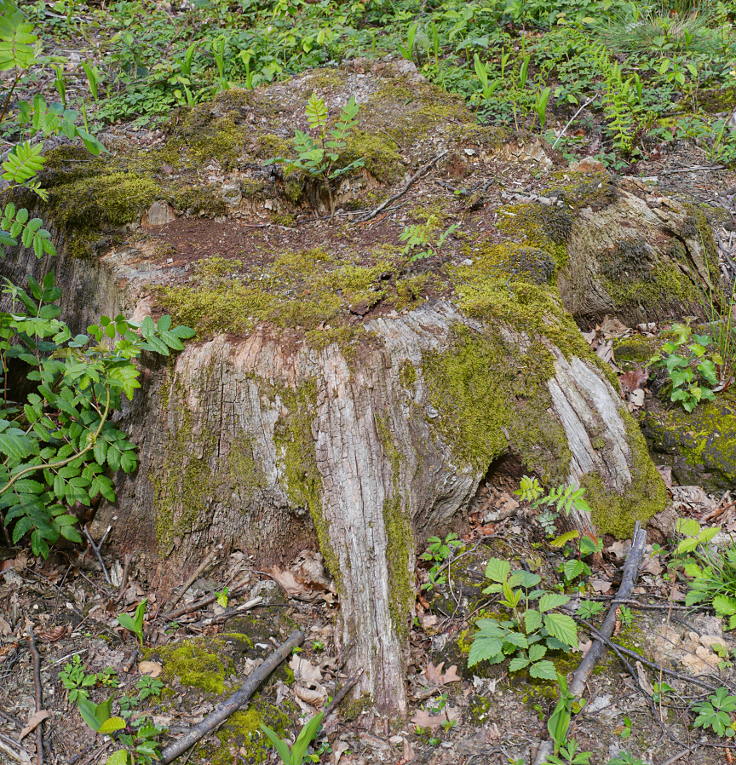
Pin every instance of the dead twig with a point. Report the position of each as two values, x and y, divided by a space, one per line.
677 757
601 638
96 550
342 693
572 119
202 602
203 566
222 711
419 173
124 580
38 692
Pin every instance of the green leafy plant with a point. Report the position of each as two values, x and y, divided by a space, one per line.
222 598
560 499
569 754
438 552
691 365
318 154
139 738
77 680
717 713
534 627
625 758
296 753
423 240
134 623
711 570
588 609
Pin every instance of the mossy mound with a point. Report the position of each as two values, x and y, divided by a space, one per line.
700 446
307 289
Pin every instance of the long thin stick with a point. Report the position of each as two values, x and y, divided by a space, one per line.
234 702
601 637
38 693
419 173
96 550
203 566
187 609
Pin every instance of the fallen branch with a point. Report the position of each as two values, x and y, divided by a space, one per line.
419 173
601 637
342 693
222 711
38 693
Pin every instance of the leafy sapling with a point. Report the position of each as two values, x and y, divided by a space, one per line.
318 153
561 499
439 551
134 623
534 626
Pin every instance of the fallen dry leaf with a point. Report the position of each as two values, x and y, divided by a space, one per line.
316 697
600 585
435 674
150 668
304 670
52 634
633 380
424 719
33 722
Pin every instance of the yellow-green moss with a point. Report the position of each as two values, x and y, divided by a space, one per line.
296 450
241 736
186 483
484 390
114 199
379 152
194 664
578 190
647 495
306 288
539 226
399 537
407 375
701 445
198 200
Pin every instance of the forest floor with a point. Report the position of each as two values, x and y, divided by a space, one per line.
457 715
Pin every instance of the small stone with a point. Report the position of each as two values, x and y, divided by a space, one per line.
159 214
710 640
231 194
396 740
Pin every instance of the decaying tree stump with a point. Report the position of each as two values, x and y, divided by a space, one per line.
340 394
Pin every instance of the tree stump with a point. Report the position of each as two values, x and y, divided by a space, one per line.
339 393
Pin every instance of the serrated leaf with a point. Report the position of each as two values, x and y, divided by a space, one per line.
543 670
562 627
551 600
497 570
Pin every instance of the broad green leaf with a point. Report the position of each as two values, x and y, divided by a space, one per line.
551 600
517 663
111 725
497 570
484 648
562 627
543 670
281 747
121 757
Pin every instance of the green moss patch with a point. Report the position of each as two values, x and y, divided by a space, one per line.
700 446
197 663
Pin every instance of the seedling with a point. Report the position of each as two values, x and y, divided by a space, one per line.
297 753
134 623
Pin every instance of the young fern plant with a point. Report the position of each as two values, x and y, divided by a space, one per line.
318 153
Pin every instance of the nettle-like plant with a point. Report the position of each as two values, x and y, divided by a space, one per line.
692 365
535 625
58 444
318 153
711 570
